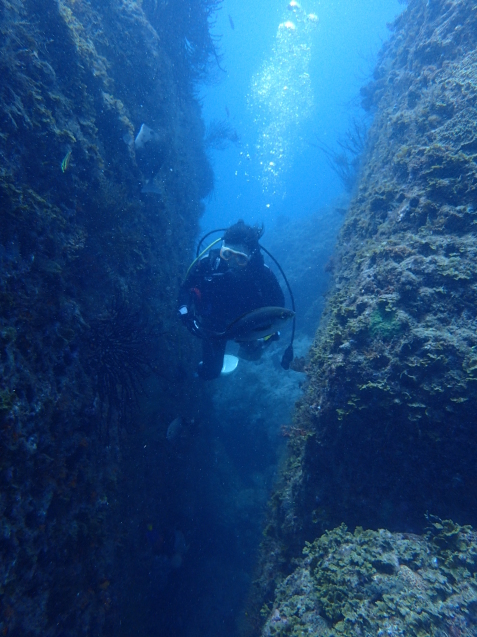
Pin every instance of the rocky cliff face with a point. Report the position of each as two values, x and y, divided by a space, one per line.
91 264
387 428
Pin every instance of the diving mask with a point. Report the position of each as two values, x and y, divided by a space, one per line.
235 256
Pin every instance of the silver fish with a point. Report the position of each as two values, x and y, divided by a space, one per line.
257 324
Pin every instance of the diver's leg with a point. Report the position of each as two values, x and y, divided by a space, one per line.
213 351
250 351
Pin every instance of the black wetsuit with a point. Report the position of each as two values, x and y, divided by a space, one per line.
216 295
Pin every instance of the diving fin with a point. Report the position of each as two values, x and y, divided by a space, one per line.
230 364
287 357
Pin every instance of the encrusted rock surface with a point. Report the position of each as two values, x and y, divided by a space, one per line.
380 583
90 271
387 427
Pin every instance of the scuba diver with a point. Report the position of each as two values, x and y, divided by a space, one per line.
230 294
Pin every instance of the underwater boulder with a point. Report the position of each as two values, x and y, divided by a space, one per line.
380 583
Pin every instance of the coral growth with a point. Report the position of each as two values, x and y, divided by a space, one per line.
345 161
220 134
118 350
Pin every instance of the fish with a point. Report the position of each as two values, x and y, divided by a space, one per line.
175 430
232 25
144 136
180 549
150 186
257 324
66 161
128 139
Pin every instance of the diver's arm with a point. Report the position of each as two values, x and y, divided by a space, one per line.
190 295
193 281
186 307
183 299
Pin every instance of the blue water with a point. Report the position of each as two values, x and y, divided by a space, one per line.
343 49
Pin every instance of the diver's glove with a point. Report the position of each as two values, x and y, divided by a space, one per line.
183 313
185 316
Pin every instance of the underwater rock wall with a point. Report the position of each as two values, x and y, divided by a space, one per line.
387 427
90 271
381 583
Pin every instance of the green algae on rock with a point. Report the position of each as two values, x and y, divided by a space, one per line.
381 583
